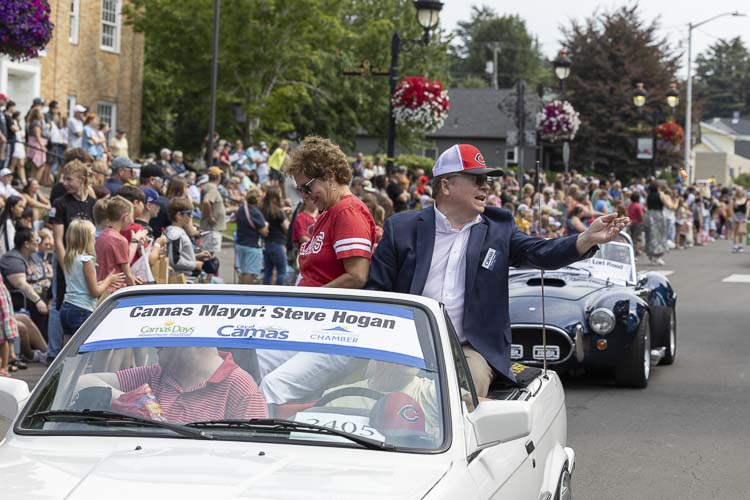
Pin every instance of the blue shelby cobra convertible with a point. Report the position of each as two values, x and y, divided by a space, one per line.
599 314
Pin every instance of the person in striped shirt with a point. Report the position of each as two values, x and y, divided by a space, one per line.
191 384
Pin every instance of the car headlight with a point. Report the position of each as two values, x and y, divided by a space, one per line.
602 321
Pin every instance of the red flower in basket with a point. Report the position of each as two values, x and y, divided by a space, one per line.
670 132
420 103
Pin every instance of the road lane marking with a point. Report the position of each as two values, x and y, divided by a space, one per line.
737 278
665 272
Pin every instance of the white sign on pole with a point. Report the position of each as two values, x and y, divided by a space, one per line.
645 148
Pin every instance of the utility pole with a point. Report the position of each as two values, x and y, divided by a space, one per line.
212 112
495 47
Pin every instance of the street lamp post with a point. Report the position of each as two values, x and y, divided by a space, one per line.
428 16
689 102
562 68
640 96
562 65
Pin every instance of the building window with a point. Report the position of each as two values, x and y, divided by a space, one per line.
110 25
511 156
107 112
75 12
430 153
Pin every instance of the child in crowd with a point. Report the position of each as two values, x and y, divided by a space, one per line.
180 250
81 286
100 215
150 210
112 252
8 330
136 233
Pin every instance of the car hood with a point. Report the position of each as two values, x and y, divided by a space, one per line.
558 285
79 468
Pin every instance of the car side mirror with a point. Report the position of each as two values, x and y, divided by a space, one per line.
495 422
13 395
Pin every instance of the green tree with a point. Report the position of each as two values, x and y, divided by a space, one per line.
280 64
354 103
611 52
518 58
723 78
268 49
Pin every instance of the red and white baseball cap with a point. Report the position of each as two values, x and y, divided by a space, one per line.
463 158
397 412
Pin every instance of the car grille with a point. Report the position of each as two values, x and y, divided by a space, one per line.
527 341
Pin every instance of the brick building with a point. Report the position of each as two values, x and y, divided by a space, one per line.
93 59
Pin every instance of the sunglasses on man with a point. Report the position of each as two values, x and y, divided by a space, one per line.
480 180
305 188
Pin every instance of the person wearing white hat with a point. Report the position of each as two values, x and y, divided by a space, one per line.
6 190
459 251
75 127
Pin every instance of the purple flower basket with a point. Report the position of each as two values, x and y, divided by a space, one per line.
25 28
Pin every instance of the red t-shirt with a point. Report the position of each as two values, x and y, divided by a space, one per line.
346 230
111 252
301 227
635 212
230 393
128 235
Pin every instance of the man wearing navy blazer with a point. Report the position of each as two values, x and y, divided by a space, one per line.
459 251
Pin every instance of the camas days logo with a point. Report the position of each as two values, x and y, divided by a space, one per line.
168 328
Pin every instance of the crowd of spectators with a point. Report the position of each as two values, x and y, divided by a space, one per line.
79 219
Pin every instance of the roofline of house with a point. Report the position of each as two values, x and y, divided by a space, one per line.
724 132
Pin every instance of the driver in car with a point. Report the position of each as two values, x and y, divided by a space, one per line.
387 379
191 384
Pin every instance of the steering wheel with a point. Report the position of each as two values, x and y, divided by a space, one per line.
92 398
349 391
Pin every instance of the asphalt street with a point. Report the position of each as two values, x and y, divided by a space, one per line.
687 435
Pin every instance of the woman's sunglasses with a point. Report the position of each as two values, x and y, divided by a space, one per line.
305 188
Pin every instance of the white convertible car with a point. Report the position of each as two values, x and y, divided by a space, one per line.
276 393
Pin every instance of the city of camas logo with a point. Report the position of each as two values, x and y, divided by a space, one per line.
251 331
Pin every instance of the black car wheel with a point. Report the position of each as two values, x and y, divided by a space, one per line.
670 341
563 487
634 369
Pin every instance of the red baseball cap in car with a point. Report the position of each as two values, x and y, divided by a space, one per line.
397 412
465 159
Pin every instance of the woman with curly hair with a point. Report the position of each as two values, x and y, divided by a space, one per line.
341 241
337 254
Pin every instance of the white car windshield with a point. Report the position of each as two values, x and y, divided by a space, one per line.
242 366
613 261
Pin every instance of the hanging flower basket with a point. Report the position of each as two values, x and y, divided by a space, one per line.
670 132
25 28
419 103
557 121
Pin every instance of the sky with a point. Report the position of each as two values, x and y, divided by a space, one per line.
544 17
